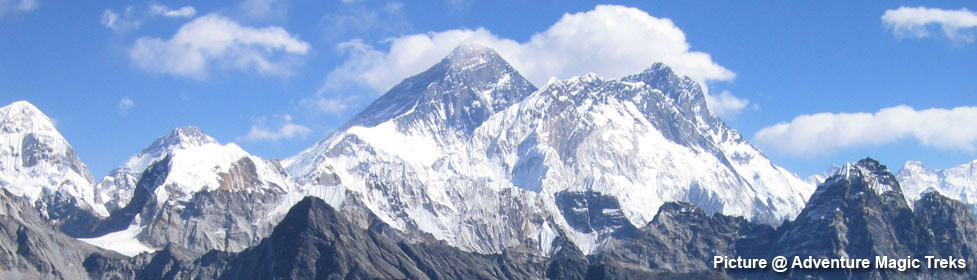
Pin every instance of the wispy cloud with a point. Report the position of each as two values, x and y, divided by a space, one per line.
161 10
611 41
125 104
126 21
328 104
261 131
132 17
805 135
956 25
365 21
17 6
214 40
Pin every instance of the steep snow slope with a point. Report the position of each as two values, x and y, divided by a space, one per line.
957 183
197 193
645 140
470 142
408 156
115 189
37 163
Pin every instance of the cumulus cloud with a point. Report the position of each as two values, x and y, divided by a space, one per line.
957 25
611 41
213 40
726 104
161 10
14 6
805 135
126 21
125 104
286 130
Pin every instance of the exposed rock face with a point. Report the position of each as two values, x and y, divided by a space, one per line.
30 248
592 212
200 195
860 212
317 242
116 189
682 238
399 155
314 241
470 142
857 213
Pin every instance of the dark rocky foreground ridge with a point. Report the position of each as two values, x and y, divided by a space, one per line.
314 241
858 213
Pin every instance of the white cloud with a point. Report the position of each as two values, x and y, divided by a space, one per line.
611 41
125 104
126 21
321 103
132 18
953 129
213 40
726 105
161 10
14 6
287 130
956 25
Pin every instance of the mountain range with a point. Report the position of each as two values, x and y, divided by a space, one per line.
467 170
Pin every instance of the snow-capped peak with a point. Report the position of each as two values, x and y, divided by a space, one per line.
36 162
458 93
914 166
875 175
22 116
232 194
958 182
190 147
469 141
184 136
659 69
468 54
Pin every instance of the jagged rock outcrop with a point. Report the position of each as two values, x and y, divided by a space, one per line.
197 194
30 248
860 212
314 241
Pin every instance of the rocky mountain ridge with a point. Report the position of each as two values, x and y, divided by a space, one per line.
444 147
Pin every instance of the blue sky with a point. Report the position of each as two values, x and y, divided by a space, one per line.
804 81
